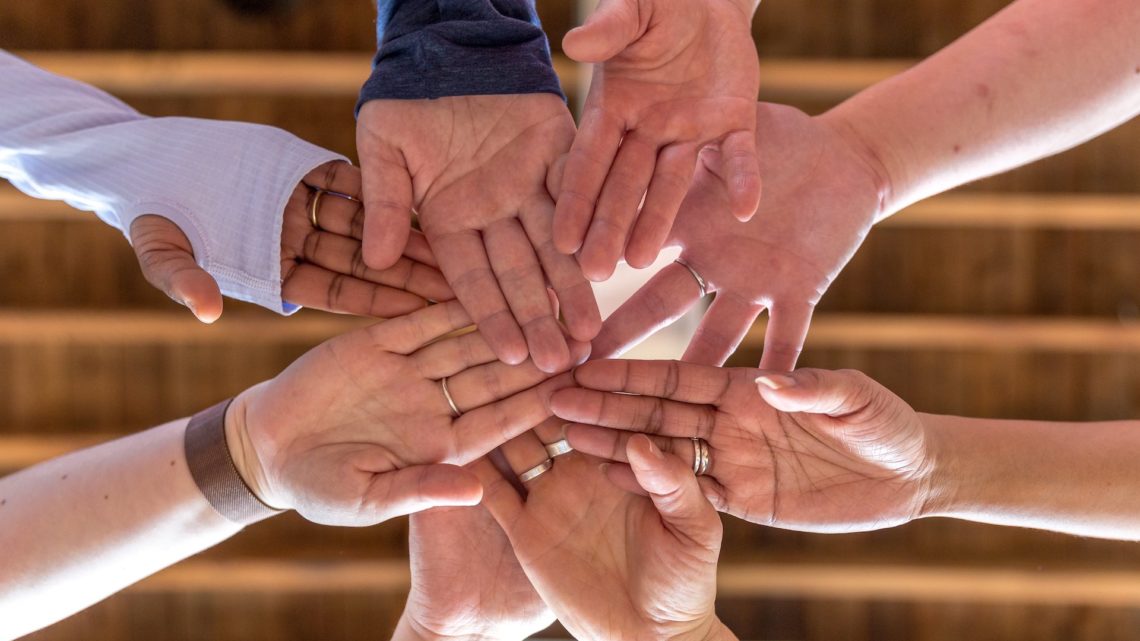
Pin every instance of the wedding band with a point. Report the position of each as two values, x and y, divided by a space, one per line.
313 208
536 471
450 401
702 283
700 456
558 448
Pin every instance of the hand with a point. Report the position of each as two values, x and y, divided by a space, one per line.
475 168
675 77
822 451
358 430
611 564
466 582
821 197
320 268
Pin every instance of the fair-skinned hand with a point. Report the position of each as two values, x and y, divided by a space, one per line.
671 79
466 581
826 452
474 168
609 563
320 268
821 198
358 430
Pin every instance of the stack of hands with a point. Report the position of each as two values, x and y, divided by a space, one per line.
542 487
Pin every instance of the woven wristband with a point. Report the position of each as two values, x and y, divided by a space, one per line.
210 463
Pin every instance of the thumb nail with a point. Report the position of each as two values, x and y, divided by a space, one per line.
776 381
656 451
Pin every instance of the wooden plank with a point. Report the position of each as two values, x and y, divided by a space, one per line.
906 332
955 211
18 451
336 74
906 583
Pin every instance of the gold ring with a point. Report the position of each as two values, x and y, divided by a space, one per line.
450 401
702 283
313 208
536 471
700 456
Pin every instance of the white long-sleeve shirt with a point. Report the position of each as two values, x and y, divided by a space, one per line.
225 184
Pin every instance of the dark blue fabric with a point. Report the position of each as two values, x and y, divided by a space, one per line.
436 48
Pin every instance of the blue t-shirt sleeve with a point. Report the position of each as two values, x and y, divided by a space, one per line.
437 48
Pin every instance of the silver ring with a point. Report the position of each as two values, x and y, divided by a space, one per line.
702 283
450 401
700 456
536 471
558 448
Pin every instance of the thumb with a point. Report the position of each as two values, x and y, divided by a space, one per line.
419 488
741 173
612 27
674 491
818 391
167 262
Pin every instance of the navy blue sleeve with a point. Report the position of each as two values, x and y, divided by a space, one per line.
436 48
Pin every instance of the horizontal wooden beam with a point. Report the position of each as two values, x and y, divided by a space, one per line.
996 333
139 73
902 583
952 211
20 450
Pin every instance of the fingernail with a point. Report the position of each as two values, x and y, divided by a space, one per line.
656 451
776 381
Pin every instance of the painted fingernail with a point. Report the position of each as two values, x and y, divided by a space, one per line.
776 381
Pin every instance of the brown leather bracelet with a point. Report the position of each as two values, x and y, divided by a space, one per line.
210 463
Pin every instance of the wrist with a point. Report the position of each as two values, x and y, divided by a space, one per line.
875 159
944 489
409 629
243 452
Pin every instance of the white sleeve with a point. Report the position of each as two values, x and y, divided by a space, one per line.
225 184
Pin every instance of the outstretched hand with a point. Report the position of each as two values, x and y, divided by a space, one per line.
672 79
814 450
821 197
474 168
321 268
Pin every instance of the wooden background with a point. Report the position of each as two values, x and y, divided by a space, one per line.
1014 297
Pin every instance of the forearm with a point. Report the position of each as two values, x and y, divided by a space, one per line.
1038 78
81 527
1078 478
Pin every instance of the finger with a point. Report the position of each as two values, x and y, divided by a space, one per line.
318 288
819 391
607 32
587 165
452 355
674 380
499 495
495 381
520 277
482 430
671 180
574 292
387 191
741 171
338 177
408 333
634 413
674 490
721 330
523 453
611 444
660 302
622 476
343 255
785 335
419 250
464 263
419 488
167 262
617 207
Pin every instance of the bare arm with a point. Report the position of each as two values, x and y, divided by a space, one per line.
81 527
1038 78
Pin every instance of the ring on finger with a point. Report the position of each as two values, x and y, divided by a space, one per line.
450 401
314 205
701 282
701 459
536 471
558 448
